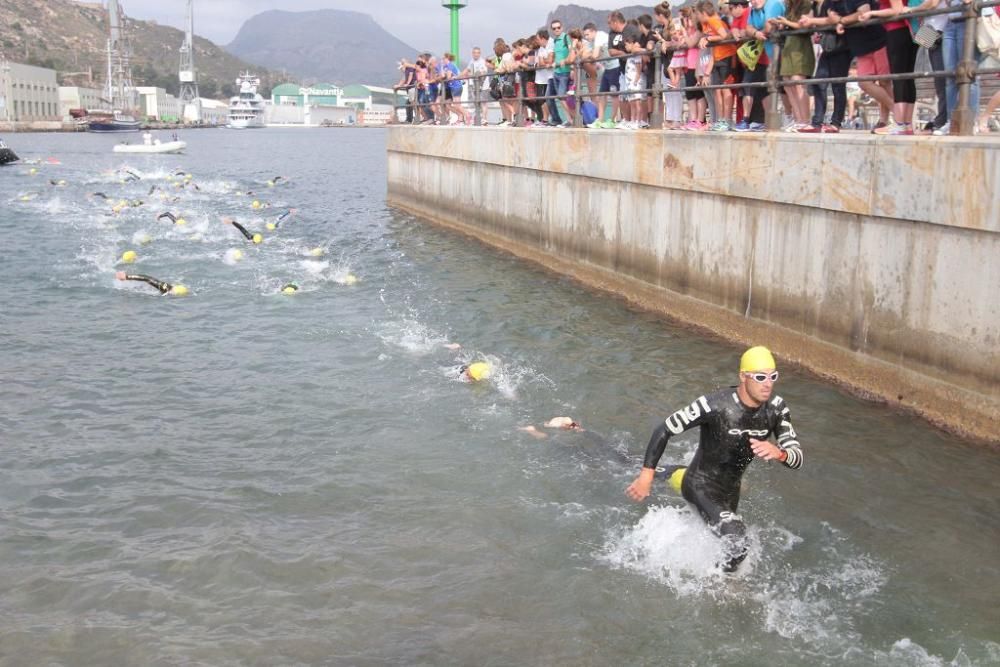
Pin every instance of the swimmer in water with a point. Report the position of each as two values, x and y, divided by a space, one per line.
735 425
474 372
164 288
169 216
274 181
289 288
255 238
274 225
131 176
561 423
99 194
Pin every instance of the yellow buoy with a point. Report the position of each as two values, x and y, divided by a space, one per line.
676 478
129 256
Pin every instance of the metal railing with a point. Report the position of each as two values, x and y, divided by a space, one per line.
962 118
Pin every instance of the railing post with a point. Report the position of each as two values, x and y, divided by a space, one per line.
772 114
519 116
657 85
963 120
578 88
477 92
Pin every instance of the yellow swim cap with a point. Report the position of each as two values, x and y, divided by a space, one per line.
123 203
145 239
317 252
181 221
237 254
676 478
32 171
179 290
255 204
289 289
128 256
350 279
257 238
478 370
757 359
270 184
271 226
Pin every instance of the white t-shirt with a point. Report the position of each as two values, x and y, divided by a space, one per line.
542 76
601 44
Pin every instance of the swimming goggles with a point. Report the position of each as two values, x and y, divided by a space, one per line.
762 377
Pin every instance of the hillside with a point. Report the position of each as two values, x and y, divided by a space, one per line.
71 37
327 45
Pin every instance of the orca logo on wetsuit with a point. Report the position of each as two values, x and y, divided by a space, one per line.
680 420
750 432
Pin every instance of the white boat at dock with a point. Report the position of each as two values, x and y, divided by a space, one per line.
246 110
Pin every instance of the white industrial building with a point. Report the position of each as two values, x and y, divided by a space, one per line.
78 97
158 104
214 112
28 93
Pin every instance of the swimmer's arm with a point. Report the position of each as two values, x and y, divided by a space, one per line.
788 441
243 230
149 280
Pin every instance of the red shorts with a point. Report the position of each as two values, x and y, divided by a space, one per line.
874 63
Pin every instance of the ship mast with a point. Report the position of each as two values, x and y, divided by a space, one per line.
120 91
188 75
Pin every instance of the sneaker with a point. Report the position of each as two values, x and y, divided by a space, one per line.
566 125
720 126
757 127
643 125
944 130
693 126
794 127
805 128
596 125
742 126
878 126
830 129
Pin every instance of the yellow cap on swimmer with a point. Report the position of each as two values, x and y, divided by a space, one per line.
676 478
271 226
128 256
270 184
32 171
257 238
179 290
181 221
317 252
290 288
236 254
255 204
145 239
479 370
350 279
757 358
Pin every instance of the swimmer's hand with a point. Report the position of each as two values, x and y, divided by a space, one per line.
766 450
227 221
119 275
643 484
452 346
533 432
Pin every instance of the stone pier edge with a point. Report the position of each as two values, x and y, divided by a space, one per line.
946 406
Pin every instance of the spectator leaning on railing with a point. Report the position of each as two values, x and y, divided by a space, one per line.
713 29
543 60
479 89
902 54
834 61
797 62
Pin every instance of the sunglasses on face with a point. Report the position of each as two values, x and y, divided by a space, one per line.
764 377
557 27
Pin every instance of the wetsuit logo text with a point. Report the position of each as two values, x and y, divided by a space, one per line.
752 433
681 419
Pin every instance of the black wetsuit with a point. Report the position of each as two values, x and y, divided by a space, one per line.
158 284
168 215
712 480
243 230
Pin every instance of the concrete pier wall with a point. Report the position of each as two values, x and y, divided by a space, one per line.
874 261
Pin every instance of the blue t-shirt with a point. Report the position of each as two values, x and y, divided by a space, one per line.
758 19
453 85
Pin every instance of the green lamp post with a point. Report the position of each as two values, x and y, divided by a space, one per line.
453 6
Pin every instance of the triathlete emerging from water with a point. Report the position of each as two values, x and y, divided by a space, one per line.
164 288
734 427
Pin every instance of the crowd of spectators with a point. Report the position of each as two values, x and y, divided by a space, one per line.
701 49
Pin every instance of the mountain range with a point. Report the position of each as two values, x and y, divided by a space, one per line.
577 16
70 37
326 45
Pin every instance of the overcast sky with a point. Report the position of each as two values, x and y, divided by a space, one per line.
423 24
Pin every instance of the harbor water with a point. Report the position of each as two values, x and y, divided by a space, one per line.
246 477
